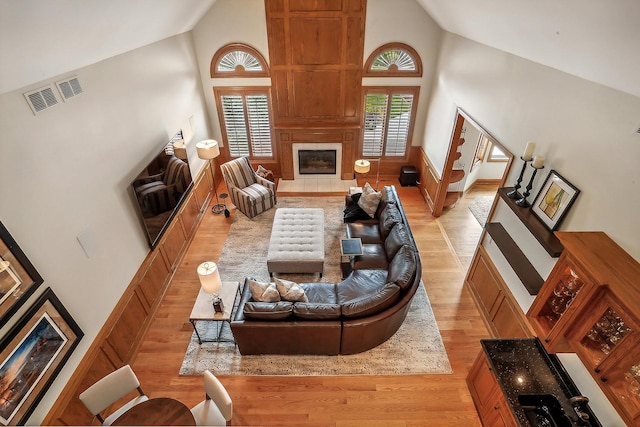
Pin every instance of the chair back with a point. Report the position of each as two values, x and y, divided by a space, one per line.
109 389
216 392
177 174
238 172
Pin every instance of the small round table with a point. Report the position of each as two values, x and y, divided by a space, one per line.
161 411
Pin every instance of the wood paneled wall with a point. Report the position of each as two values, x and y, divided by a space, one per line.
316 55
117 342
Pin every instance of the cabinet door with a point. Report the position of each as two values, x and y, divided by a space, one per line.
482 279
482 384
563 293
607 338
499 413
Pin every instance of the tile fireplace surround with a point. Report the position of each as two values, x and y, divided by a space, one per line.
316 183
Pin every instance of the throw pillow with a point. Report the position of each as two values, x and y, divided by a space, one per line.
353 213
290 291
263 291
369 200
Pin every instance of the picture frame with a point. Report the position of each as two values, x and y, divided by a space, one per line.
18 277
554 200
32 354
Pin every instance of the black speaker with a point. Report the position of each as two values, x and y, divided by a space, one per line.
408 176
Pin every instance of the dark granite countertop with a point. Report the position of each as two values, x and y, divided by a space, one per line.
523 367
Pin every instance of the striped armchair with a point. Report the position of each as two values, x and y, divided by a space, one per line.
251 194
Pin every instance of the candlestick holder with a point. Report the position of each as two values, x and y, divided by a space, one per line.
514 194
522 202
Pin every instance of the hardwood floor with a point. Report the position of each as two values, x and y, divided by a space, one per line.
446 246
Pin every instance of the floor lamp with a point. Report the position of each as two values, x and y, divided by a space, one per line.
207 150
363 166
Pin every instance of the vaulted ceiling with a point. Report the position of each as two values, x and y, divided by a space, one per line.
593 39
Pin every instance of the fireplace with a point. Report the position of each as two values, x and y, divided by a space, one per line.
317 162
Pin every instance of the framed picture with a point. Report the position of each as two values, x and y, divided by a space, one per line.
554 200
18 278
32 354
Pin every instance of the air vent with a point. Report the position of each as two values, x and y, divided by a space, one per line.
41 99
69 88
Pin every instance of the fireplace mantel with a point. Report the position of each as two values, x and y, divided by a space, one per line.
320 137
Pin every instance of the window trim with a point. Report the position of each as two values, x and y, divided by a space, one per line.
238 72
219 92
390 90
368 72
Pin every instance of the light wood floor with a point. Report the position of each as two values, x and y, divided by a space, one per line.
446 247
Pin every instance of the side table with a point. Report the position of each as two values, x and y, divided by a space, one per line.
203 310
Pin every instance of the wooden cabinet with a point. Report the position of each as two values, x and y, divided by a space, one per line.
490 402
606 337
500 311
589 305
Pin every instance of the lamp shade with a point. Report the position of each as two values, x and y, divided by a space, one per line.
209 276
362 166
180 149
208 149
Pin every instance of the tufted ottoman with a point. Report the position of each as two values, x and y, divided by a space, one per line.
297 241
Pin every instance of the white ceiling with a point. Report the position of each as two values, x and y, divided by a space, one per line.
594 39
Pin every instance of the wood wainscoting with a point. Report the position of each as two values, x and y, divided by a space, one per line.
118 341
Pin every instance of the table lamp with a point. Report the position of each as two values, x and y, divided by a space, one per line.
211 283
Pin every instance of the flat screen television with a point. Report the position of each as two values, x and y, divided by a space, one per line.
161 187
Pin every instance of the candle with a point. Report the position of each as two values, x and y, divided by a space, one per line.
538 162
528 151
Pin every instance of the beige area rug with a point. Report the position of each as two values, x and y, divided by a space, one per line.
480 207
416 348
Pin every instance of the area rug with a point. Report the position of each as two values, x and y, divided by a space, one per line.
480 207
416 348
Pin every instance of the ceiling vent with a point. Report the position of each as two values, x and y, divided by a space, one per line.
69 88
41 99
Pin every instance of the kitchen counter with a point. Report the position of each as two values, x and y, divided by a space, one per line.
527 373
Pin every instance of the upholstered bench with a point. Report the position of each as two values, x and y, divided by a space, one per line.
297 241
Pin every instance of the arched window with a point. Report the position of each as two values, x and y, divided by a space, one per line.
393 60
244 111
238 60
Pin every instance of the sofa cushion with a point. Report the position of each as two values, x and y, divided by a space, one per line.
368 232
360 282
267 310
290 291
374 256
371 302
316 311
398 237
263 291
387 197
320 292
369 200
402 267
389 217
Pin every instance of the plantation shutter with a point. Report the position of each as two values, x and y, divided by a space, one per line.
235 125
398 124
247 124
375 122
259 125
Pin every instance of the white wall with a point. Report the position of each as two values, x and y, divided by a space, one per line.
585 130
404 21
69 168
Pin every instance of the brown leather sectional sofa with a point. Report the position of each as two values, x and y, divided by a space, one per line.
358 313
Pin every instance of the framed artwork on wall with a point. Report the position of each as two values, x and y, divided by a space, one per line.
554 200
32 354
18 277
